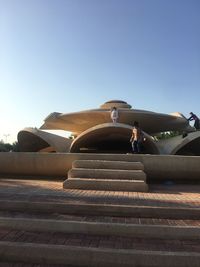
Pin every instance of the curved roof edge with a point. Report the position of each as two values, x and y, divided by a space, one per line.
29 137
119 130
115 103
174 144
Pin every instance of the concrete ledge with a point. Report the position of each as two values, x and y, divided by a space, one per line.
92 257
106 184
105 164
102 209
107 174
58 164
98 228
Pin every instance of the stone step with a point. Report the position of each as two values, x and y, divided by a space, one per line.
107 174
105 184
101 229
105 164
95 256
64 207
100 219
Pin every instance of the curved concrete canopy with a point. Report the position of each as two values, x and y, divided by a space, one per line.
115 103
96 132
34 140
150 122
189 145
109 138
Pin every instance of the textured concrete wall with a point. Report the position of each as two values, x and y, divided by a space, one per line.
58 164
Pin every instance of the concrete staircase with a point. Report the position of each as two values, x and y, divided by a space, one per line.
106 175
59 233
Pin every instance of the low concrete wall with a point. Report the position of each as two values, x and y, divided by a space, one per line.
58 164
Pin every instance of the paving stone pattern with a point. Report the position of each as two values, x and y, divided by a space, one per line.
175 195
100 241
162 195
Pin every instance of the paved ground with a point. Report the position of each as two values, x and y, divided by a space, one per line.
21 264
174 195
96 241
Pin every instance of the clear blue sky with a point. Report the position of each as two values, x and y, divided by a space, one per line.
72 55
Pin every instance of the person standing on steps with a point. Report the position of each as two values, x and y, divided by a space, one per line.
136 138
193 117
114 114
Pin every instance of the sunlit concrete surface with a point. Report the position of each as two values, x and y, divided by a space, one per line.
160 167
110 137
150 122
33 140
94 132
189 145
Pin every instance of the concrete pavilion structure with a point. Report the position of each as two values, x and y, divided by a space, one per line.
94 132
106 207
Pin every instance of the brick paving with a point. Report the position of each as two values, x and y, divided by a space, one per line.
102 219
175 195
96 241
21 264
